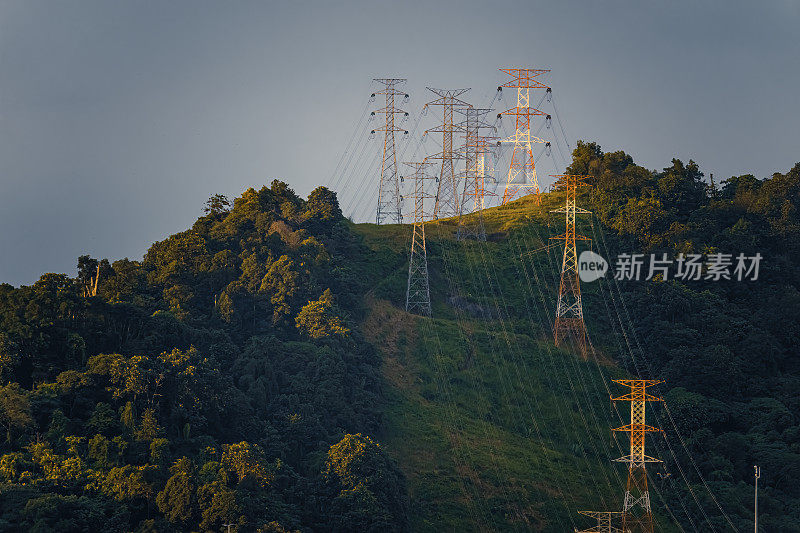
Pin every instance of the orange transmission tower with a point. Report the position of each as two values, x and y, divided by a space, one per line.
606 522
636 513
389 203
569 309
418 295
475 149
447 198
522 170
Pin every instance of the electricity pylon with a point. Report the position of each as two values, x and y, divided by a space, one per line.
487 146
605 522
569 309
418 295
475 148
475 191
636 513
389 204
522 163
447 198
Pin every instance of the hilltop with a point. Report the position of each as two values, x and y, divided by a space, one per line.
259 369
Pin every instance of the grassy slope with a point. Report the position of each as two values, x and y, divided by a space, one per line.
495 428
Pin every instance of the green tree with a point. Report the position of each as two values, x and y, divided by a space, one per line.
217 205
318 319
12 465
322 210
245 460
128 482
681 188
149 428
99 451
178 500
370 492
281 283
15 409
159 451
103 419
218 505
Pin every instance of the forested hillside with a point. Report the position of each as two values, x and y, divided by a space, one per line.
258 370
727 348
517 433
217 381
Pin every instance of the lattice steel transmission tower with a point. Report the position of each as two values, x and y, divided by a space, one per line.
637 515
389 203
472 198
522 165
569 309
418 295
606 522
447 202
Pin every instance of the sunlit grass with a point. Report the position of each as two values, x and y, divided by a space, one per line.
494 427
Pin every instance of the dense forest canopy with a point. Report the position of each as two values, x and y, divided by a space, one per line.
217 381
224 378
727 349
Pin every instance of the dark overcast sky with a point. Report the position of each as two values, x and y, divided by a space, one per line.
119 118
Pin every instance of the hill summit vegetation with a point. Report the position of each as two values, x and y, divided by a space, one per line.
217 381
258 371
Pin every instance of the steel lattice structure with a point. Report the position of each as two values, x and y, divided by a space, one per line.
522 165
637 515
475 149
569 309
418 295
389 203
447 202
606 522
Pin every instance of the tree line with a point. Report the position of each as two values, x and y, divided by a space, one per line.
217 381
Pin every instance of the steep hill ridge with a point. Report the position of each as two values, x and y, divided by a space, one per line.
258 369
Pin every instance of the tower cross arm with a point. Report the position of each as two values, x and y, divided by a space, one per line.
444 128
525 111
455 154
567 181
473 125
388 110
600 514
448 97
605 521
577 210
637 427
638 382
523 77
386 128
390 85
636 397
518 138
641 459
563 237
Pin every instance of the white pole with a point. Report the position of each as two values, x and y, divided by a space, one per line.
758 475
